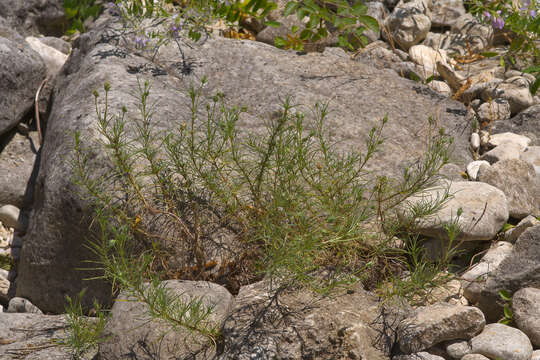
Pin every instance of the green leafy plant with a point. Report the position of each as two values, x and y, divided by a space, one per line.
508 317
84 333
5 262
77 11
522 21
350 21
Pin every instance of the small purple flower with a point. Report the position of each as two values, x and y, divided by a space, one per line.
140 42
497 23
532 13
487 14
175 28
113 8
525 5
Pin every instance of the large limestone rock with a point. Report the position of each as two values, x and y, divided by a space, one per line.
484 210
21 72
248 73
431 325
521 268
499 341
519 182
131 331
31 337
275 323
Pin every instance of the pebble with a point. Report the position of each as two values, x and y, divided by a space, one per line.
473 167
475 141
22 305
9 216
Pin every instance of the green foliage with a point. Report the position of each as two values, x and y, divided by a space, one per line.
5 262
350 21
508 317
84 333
521 20
77 11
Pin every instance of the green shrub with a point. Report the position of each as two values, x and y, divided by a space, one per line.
77 11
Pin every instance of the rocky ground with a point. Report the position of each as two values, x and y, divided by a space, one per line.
494 176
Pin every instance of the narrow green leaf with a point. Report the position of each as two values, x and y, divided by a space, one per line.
535 86
505 295
290 8
274 24
489 54
305 34
280 42
508 312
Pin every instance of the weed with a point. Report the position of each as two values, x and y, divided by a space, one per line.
77 11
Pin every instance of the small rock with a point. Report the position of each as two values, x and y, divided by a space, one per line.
440 87
9 216
526 308
408 24
21 305
532 156
475 141
458 348
505 151
498 109
434 324
519 182
484 138
515 91
474 279
474 166
513 234
498 139
4 290
54 59
502 341
427 58
536 355
477 91
484 210
446 12
63 46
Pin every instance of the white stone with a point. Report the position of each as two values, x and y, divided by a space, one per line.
484 210
53 58
418 356
484 137
474 166
22 305
502 341
408 24
440 87
427 58
536 355
474 357
498 139
9 216
505 151
475 141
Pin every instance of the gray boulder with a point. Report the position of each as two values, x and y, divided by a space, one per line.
132 333
484 210
526 309
21 72
423 355
503 342
409 23
498 109
513 234
36 341
247 73
519 182
431 325
505 151
521 268
279 323
457 349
